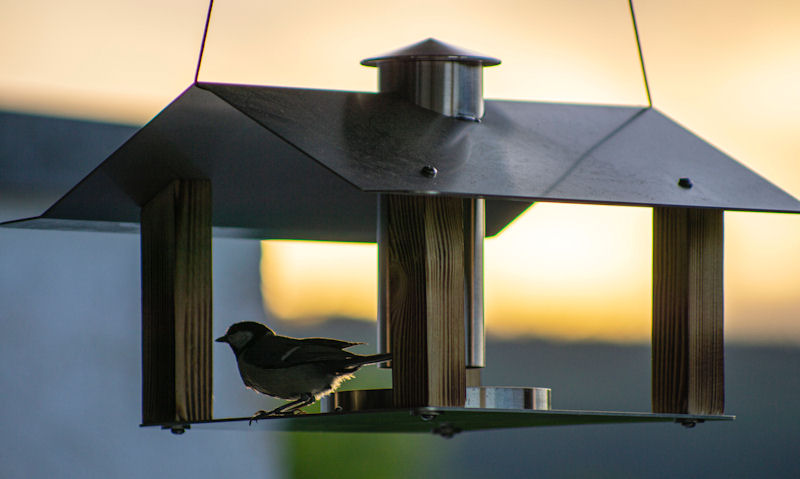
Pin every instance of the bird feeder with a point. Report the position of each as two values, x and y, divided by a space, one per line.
426 168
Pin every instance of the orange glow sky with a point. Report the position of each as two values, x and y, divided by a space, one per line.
728 70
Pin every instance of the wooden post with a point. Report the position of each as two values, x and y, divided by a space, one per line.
474 377
176 304
687 349
424 249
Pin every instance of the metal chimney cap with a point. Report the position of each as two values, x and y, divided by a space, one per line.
432 50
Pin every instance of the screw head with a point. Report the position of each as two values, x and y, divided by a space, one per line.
429 171
685 183
426 415
467 117
447 430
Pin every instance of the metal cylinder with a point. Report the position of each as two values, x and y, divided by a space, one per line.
475 339
450 88
383 283
448 80
435 75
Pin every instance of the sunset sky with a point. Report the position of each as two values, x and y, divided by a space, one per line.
727 70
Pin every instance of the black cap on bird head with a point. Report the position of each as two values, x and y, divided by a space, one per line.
239 334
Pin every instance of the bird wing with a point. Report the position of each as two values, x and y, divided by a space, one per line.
273 352
331 343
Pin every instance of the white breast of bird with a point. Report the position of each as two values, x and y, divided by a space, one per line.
291 383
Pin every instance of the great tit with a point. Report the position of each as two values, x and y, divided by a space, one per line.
300 370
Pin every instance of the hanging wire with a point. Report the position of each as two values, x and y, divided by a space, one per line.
203 44
641 57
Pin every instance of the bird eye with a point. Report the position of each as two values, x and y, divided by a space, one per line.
240 338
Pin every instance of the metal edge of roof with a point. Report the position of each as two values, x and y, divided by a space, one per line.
44 221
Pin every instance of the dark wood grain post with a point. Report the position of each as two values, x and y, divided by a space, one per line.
687 349
424 249
176 304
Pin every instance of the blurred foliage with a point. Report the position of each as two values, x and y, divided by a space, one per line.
363 455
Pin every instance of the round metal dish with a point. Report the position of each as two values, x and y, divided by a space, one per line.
358 400
491 397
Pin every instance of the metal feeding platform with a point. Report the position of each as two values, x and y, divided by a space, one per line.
487 408
427 169
443 421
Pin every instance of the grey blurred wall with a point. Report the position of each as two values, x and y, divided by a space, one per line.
70 341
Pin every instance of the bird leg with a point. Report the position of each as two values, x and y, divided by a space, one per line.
287 409
294 407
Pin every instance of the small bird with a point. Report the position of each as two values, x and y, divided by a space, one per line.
301 370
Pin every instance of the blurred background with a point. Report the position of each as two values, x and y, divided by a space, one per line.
567 286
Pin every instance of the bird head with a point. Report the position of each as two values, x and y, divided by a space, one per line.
239 335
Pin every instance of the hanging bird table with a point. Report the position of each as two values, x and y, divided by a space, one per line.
426 168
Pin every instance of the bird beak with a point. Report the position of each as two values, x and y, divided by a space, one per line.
223 339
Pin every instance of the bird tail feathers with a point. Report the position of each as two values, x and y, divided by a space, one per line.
375 358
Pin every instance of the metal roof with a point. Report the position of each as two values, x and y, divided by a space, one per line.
306 164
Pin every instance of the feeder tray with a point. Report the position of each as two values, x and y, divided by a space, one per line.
444 421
